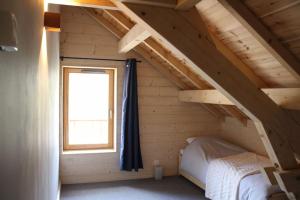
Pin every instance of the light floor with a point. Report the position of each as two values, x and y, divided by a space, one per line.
170 188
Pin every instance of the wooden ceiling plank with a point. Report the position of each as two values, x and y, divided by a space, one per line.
218 71
288 98
100 4
134 37
266 38
186 4
192 16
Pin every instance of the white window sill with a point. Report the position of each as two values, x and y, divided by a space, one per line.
98 151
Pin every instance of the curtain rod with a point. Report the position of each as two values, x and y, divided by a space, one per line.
105 59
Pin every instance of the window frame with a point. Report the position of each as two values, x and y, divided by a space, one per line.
110 144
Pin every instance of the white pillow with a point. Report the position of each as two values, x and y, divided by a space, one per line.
190 140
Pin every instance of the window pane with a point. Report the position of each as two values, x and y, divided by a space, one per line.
88 108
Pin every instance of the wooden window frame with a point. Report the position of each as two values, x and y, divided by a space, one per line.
66 145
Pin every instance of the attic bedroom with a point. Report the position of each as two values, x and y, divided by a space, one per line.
150 100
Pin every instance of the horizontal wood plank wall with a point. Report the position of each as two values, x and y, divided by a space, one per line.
245 136
165 122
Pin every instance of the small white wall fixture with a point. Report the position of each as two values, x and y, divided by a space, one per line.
8 33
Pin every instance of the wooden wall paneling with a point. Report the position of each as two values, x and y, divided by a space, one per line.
176 32
165 121
263 35
236 113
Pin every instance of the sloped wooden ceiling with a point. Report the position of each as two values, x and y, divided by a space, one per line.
281 17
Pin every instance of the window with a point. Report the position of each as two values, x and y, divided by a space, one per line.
88 108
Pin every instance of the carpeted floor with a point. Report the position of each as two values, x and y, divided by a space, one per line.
170 188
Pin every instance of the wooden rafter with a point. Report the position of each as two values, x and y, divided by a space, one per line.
278 129
161 52
102 4
134 37
262 34
98 16
143 50
162 3
192 16
288 98
186 4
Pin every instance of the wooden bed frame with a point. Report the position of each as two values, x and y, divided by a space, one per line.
185 174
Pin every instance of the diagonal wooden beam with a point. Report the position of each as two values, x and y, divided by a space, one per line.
269 40
180 67
134 37
279 130
97 16
162 52
101 4
186 4
161 3
288 98
143 50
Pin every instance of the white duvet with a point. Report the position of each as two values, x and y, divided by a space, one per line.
225 174
201 152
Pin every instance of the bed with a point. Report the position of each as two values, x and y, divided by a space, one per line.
201 152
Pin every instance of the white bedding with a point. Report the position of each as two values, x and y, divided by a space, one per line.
197 156
225 174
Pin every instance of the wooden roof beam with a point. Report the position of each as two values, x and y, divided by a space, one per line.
144 51
263 35
186 4
101 4
288 98
133 38
219 72
161 52
161 3
98 17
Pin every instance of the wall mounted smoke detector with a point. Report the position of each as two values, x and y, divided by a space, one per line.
8 33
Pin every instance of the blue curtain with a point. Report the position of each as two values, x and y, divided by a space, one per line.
130 157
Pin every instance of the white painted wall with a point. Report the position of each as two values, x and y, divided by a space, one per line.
29 85
165 122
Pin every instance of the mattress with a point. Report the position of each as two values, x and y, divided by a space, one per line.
198 154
